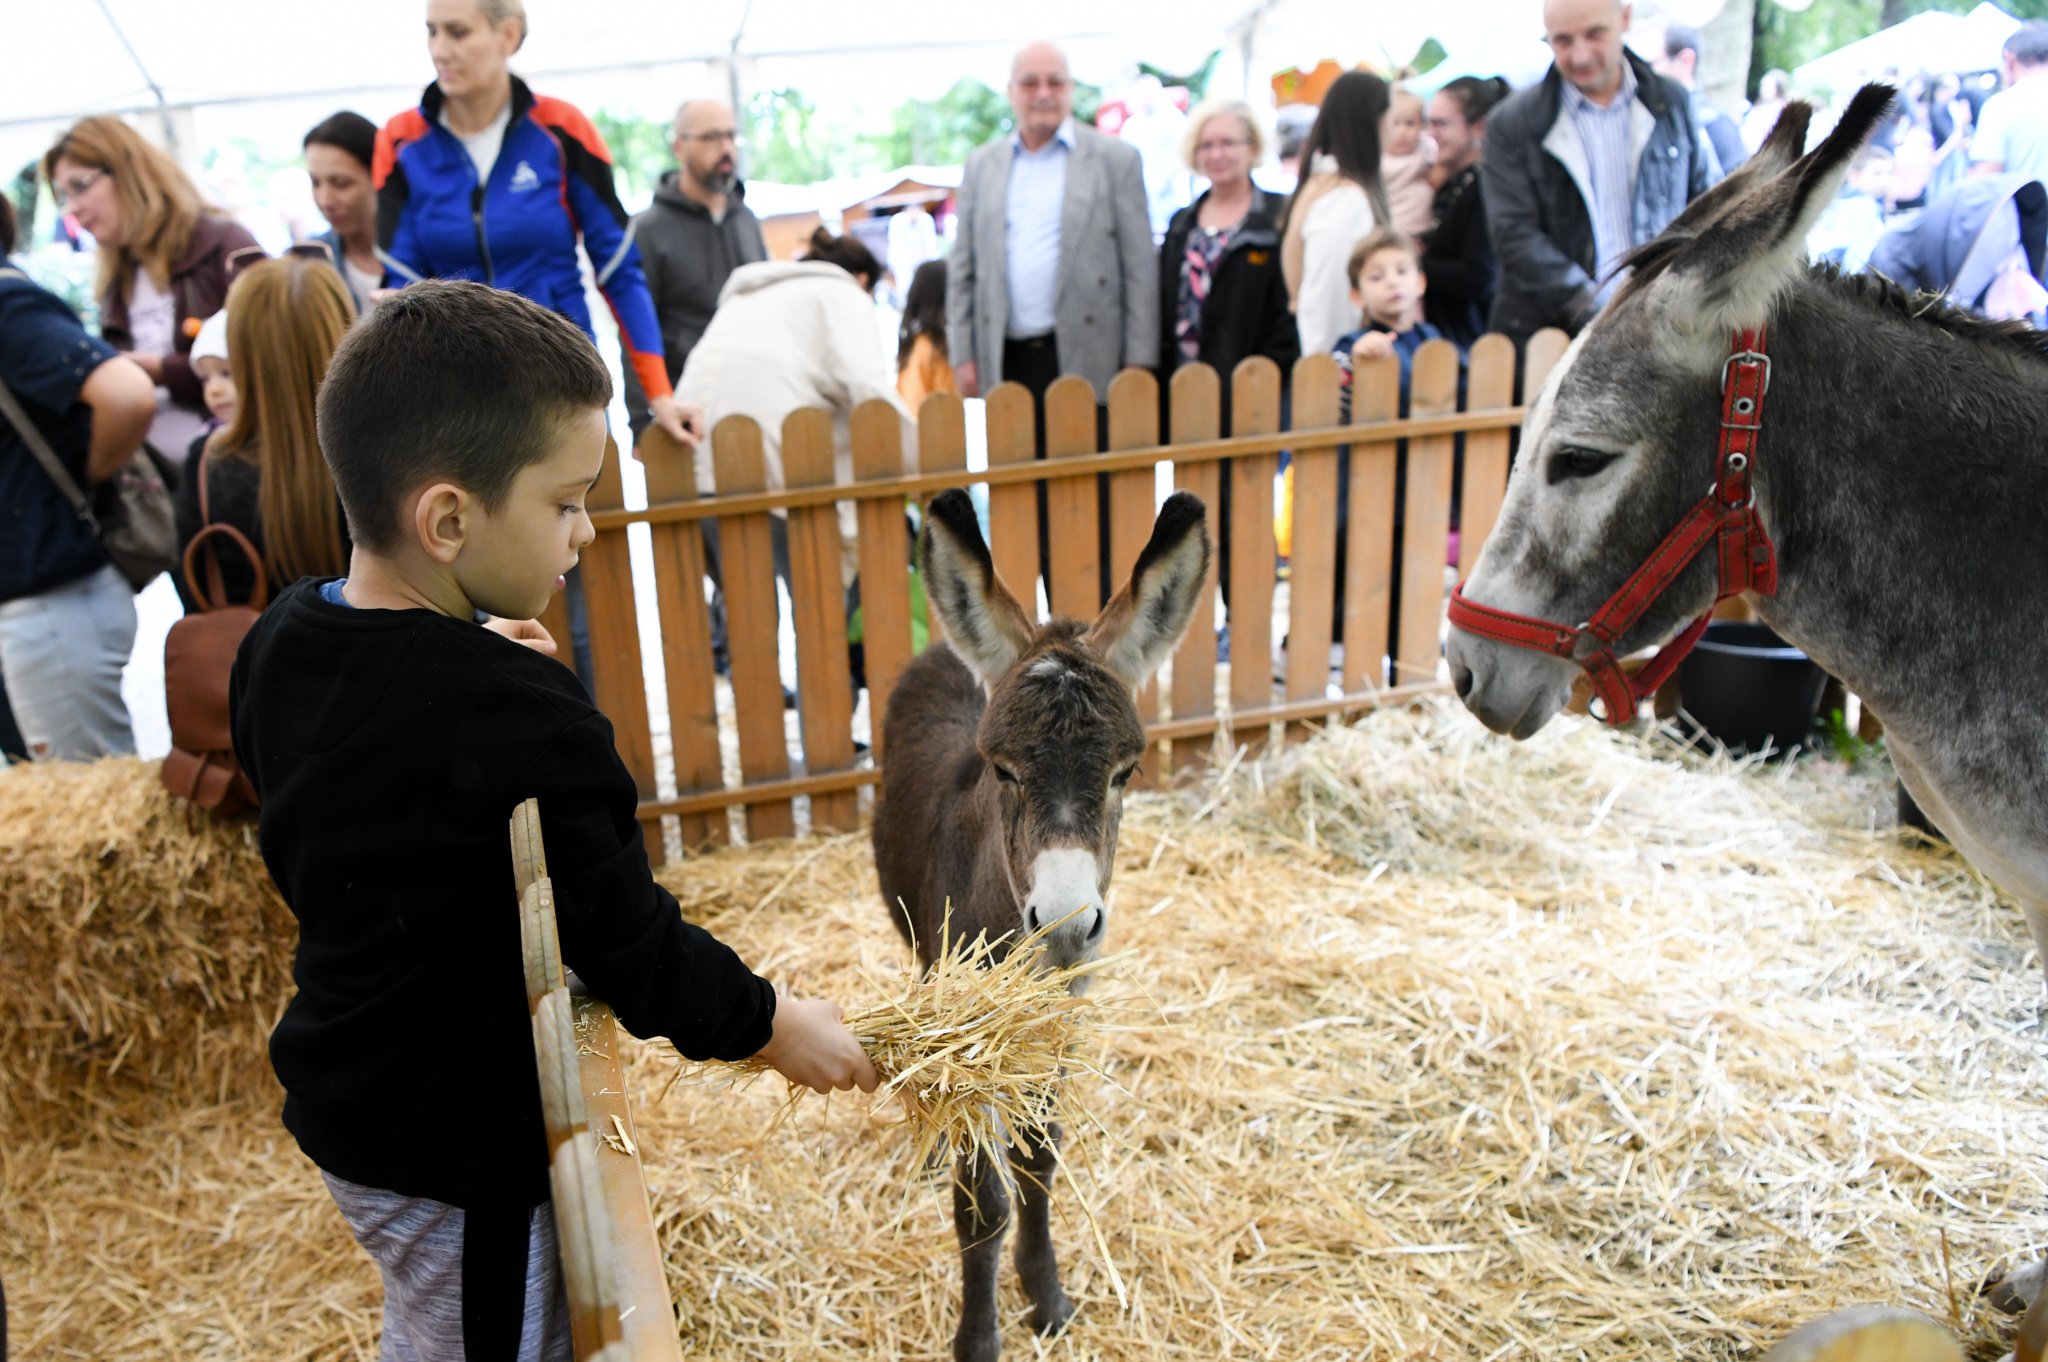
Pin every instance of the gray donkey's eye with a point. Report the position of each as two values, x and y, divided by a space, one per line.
1574 462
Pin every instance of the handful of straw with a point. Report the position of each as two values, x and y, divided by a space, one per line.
983 1048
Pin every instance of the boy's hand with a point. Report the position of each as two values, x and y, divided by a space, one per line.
684 421
812 1047
1372 345
531 633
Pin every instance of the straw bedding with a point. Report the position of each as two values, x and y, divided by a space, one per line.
1440 1048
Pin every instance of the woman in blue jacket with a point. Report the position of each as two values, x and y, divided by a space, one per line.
487 181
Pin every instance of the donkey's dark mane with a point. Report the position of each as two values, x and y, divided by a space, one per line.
1878 291
1874 290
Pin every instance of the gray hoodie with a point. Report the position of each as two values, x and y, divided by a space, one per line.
688 257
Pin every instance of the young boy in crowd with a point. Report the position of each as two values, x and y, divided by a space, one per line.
1387 285
391 722
1850 227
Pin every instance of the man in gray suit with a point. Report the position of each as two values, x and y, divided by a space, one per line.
1053 268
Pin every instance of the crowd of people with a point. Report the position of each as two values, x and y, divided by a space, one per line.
310 402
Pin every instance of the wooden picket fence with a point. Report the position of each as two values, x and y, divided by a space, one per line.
1183 714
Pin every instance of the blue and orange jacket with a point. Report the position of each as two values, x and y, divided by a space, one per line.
552 181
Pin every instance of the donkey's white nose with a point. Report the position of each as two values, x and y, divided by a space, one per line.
1066 896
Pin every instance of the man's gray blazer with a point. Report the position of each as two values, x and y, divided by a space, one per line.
1107 316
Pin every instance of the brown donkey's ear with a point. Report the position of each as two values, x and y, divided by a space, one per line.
1721 265
983 621
1144 622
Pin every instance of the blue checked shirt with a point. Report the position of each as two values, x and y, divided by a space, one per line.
1605 135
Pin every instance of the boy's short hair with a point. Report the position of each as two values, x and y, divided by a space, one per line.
1377 240
1870 157
449 380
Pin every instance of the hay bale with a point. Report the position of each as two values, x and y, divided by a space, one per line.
146 949
1708 1053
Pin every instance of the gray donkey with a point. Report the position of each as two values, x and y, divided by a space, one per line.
1901 469
1002 791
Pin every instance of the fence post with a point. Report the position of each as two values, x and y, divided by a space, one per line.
884 559
1312 559
1134 424
1013 507
1490 383
692 683
1196 398
824 687
1425 538
941 448
1369 530
746 551
619 685
1073 533
1254 410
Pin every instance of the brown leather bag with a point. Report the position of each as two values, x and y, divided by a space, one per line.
199 653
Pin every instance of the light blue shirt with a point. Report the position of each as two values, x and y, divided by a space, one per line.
1604 132
1032 207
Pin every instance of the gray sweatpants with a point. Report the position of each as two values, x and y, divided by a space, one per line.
417 1245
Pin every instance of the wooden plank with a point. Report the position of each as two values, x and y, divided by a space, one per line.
1312 566
1545 349
612 1260
554 617
1490 382
1425 533
824 687
619 685
884 560
1013 507
746 550
1254 410
1134 424
1369 533
1074 543
686 662
941 448
1195 396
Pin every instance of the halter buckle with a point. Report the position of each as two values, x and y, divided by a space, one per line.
1747 357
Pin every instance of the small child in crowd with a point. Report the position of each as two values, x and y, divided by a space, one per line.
391 721
1850 227
922 367
1405 159
1387 287
216 379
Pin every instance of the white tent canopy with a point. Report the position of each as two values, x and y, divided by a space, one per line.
221 58
1926 42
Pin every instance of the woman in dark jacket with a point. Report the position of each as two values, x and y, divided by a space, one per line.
1222 297
1457 256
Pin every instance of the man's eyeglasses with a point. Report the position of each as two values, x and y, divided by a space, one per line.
720 135
69 189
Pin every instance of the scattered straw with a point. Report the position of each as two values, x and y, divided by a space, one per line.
1461 1049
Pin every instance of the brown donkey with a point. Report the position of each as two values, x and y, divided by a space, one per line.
1005 802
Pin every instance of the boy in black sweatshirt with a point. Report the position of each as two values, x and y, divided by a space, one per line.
391 721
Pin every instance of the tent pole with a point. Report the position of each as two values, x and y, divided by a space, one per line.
163 105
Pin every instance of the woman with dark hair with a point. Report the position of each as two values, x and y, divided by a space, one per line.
339 152
166 258
1339 200
922 364
1457 254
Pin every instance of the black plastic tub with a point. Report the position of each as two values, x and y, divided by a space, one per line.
1749 689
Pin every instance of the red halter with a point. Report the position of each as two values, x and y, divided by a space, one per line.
1725 517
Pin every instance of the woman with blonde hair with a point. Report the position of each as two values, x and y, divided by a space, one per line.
263 473
164 258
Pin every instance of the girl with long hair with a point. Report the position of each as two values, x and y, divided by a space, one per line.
922 367
264 473
1339 200
164 258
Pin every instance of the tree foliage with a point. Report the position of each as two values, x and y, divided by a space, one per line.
1785 39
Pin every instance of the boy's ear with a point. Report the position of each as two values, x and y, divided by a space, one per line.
440 520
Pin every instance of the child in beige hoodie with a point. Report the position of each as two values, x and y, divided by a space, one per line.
1405 157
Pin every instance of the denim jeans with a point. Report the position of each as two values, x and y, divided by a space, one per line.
61 653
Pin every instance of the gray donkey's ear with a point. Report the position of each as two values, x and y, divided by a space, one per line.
1721 265
1145 620
984 623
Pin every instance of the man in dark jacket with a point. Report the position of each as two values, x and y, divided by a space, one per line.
697 232
1681 63
1595 159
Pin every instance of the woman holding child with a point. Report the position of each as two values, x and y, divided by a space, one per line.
1338 202
1457 256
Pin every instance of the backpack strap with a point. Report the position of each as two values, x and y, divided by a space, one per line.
215 595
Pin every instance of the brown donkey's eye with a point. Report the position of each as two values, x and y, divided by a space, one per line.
1005 775
1123 777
